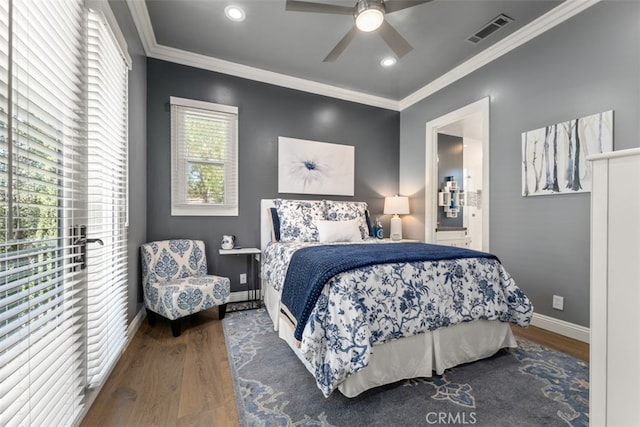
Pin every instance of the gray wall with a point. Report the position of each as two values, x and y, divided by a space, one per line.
137 153
265 112
588 64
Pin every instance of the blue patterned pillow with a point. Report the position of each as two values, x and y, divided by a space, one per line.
275 225
345 211
368 220
297 219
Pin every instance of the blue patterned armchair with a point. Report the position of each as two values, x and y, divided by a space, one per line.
176 284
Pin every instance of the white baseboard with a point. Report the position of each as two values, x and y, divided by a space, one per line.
239 296
561 327
134 326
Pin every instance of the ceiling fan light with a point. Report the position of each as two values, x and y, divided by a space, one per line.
369 19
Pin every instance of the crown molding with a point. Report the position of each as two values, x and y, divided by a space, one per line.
140 16
559 14
238 70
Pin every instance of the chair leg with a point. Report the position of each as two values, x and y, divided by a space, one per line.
175 327
151 317
222 310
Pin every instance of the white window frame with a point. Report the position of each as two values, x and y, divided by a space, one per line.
179 205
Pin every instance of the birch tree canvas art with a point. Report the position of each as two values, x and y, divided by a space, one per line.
311 167
553 157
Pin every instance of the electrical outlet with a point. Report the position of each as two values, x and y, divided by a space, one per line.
558 302
243 278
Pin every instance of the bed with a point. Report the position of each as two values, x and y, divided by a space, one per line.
378 323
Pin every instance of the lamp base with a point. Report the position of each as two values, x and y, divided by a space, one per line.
396 228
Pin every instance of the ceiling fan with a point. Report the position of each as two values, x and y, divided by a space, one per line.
369 16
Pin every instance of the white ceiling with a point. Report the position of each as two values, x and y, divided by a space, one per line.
287 48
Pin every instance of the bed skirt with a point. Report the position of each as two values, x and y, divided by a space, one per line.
410 357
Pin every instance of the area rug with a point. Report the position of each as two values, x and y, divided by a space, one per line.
528 386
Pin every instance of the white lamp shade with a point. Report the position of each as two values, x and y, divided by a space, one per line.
397 205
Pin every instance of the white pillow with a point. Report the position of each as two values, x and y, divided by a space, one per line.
338 231
345 210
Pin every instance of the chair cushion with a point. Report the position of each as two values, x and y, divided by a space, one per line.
173 259
181 297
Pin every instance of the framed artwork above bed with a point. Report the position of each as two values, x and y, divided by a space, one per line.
311 167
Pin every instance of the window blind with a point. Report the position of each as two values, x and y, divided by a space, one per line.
107 200
42 138
204 138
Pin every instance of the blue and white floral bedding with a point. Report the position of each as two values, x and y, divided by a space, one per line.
372 305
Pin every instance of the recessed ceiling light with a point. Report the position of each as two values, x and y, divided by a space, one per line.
388 62
235 13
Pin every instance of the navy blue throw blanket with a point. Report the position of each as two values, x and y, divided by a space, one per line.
310 268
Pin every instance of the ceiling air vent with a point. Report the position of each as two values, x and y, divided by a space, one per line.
493 26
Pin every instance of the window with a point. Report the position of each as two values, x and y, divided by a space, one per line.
63 144
107 165
41 306
204 160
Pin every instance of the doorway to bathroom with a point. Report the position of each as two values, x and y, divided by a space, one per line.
457 177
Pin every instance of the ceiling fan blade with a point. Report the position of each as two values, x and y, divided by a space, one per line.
394 6
342 45
396 42
305 6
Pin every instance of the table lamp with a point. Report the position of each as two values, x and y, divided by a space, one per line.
397 205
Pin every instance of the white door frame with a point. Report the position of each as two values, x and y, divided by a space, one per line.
431 167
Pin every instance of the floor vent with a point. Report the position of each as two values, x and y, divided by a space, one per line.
493 26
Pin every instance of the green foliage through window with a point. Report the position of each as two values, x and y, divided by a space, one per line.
205 183
205 140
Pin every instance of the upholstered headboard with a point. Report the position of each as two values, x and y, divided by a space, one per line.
265 222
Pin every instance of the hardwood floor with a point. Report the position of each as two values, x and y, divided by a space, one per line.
185 381
561 343
165 381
